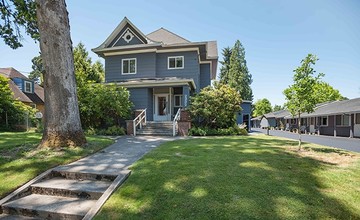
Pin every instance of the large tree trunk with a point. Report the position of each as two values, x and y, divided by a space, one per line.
62 120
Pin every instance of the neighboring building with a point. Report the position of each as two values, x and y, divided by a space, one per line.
338 118
24 89
273 119
244 116
161 70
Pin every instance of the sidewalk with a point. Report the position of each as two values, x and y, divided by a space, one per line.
79 189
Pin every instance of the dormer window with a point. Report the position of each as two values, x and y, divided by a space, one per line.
176 62
129 66
28 87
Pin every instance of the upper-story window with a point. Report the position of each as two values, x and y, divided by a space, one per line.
129 66
28 87
176 62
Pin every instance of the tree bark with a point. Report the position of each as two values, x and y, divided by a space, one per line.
62 125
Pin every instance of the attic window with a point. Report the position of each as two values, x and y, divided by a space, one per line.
128 36
28 87
176 62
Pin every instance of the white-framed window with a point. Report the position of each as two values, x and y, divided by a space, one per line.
324 121
342 120
176 62
128 66
28 86
177 100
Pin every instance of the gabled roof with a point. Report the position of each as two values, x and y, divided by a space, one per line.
11 73
166 37
117 30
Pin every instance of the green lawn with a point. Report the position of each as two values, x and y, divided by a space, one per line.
21 161
248 177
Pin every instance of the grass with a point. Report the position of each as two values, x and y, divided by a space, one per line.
253 177
21 160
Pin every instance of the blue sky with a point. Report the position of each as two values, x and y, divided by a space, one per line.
276 35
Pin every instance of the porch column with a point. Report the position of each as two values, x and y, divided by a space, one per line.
351 119
186 96
334 125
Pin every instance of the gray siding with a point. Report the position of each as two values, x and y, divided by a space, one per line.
191 67
142 98
205 75
145 67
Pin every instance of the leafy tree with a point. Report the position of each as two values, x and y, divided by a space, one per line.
234 71
85 70
278 108
261 107
301 96
14 15
12 112
215 107
325 93
225 65
38 70
103 105
48 21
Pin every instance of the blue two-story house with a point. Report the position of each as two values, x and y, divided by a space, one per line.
161 70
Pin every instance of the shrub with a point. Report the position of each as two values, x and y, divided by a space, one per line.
113 131
206 131
103 105
215 107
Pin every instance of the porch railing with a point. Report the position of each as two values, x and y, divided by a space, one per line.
176 119
139 120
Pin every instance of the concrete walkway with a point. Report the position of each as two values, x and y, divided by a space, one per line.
78 190
351 144
118 157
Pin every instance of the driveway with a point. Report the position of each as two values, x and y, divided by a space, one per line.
351 144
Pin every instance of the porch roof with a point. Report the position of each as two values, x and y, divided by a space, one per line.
156 82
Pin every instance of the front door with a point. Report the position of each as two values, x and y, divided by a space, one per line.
357 125
162 108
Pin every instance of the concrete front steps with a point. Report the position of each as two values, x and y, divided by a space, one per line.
154 128
60 194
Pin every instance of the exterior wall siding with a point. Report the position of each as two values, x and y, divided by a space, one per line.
145 67
204 75
140 98
191 67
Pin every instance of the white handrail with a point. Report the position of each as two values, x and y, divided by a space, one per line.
176 118
138 120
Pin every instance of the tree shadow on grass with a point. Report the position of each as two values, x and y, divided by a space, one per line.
225 178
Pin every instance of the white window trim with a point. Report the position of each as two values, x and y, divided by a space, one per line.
327 121
27 82
174 68
122 66
178 106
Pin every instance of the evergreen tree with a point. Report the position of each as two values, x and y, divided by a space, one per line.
224 69
235 72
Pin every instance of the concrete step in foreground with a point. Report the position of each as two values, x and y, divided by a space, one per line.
49 207
87 189
61 195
